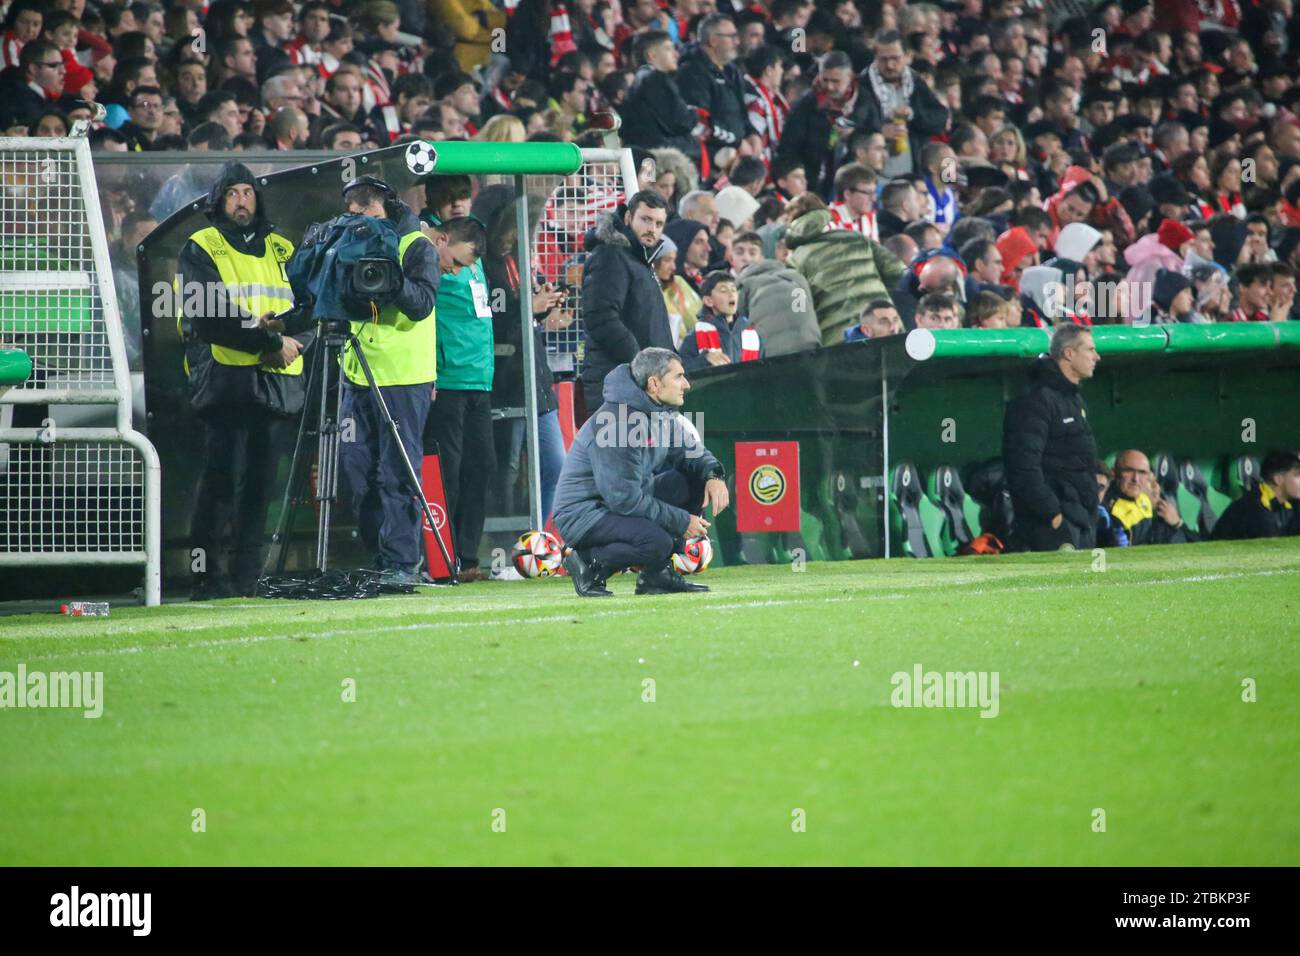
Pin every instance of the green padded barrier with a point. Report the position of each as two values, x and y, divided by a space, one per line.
15 366
556 159
62 310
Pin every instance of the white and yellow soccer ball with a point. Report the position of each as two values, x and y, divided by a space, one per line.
538 554
694 556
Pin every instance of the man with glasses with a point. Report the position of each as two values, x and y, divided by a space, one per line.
855 208
34 87
145 106
1134 500
711 81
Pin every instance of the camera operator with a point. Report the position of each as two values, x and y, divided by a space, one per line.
243 375
399 345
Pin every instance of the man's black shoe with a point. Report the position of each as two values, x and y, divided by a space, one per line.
665 581
588 576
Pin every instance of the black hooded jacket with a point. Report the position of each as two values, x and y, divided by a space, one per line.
623 307
211 383
1049 452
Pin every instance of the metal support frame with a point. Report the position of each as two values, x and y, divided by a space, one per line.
118 394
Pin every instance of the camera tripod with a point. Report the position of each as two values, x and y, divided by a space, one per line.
333 337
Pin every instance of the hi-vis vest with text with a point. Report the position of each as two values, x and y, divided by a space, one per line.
256 284
400 351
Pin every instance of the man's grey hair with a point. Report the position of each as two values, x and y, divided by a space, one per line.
1066 337
710 24
687 204
652 363
274 88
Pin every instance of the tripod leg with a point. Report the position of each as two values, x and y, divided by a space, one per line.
418 491
289 503
328 478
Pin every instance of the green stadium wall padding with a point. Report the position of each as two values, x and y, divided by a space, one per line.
858 409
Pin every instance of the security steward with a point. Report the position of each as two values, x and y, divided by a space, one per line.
243 375
400 346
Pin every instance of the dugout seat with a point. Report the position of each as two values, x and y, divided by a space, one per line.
1240 475
1197 499
916 521
961 514
1166 472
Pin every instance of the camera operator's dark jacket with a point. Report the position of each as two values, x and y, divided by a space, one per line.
1049 453
611 466
622 305
223 346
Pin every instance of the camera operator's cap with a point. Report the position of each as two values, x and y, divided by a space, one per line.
389 193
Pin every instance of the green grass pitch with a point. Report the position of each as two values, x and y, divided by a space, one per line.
508 723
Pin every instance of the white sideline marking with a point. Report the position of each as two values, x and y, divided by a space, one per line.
563 618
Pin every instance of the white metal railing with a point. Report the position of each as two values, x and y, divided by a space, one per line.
69 494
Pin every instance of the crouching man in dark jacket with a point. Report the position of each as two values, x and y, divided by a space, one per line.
1048 449
636 481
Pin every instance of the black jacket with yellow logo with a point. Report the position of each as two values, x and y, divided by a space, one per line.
1141 522
1257 514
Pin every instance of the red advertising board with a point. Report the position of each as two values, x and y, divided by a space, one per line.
431 481
767 486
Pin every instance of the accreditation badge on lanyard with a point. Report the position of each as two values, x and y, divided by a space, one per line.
482 308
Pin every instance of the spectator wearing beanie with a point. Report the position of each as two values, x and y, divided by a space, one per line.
1172 298
737 206
1018 252
1078 241
1158 250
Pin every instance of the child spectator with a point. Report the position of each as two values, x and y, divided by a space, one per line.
720 337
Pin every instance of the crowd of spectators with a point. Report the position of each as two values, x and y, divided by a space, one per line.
1088 162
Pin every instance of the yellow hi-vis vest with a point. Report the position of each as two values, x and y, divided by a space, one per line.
256 284
400 351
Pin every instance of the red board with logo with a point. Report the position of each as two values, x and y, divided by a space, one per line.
431 481
767 486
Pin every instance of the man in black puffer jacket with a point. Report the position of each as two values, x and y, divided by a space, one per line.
1049 451
623 308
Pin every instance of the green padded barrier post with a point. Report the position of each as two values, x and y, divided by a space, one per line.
15 366
515 159
1232 336
924 344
